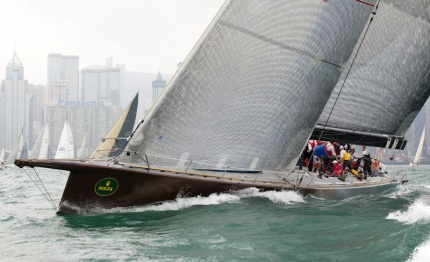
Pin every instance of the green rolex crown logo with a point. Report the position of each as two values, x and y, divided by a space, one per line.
106 186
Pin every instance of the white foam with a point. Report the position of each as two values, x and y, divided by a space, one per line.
421 253
277 197
419 211
182 203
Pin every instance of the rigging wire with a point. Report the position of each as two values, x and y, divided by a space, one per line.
349 70
46 193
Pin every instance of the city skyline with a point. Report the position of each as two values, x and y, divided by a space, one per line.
146 36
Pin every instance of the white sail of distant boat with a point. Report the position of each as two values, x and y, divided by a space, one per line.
19 151
83 150
66 149
1 158
2 155
41 147
417 157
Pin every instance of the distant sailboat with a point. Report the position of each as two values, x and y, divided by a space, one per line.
417 157
116 139
41 147
83 150
19 151
1 158
66 148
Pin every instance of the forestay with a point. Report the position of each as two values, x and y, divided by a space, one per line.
251 90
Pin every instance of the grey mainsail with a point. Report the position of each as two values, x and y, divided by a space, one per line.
250 92
389 82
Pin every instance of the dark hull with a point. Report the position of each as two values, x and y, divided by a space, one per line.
138 186
134 189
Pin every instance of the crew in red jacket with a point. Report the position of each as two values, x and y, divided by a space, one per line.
336 169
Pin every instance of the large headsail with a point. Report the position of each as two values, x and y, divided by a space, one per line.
253 87
389 82
116 139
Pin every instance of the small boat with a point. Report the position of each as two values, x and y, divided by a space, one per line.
417 158
66 146
41 147
19 151
1 158
264 78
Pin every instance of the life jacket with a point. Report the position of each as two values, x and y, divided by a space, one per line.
312 144
375 165
337 170
345 155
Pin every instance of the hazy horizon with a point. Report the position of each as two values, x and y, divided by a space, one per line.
146 36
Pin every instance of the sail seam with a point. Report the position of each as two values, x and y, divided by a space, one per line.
273 42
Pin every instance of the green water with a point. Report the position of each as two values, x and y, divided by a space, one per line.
245 226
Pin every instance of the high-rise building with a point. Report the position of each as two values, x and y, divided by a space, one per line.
101 85
37 104
63 79
157 86
15 111
93 121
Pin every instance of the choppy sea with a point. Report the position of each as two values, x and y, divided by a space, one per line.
245 226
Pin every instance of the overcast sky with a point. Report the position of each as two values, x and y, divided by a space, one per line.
146 35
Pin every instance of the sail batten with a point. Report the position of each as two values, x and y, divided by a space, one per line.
254 85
